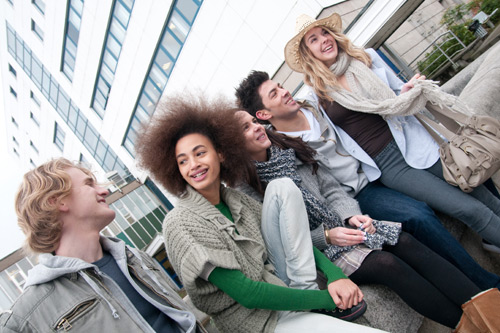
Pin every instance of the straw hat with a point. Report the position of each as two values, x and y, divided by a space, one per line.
303 24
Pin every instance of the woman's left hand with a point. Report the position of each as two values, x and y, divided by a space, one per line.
363 221
410 84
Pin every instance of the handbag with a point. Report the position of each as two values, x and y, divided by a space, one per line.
470 155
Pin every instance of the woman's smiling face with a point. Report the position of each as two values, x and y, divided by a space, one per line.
199 163
322 45
256 140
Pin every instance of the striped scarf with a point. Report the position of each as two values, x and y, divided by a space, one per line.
281 164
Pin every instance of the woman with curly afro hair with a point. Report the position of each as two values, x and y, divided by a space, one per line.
213 236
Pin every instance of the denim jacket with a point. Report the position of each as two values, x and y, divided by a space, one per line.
69 294
419 149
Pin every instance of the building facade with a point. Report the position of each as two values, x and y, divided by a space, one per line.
80 78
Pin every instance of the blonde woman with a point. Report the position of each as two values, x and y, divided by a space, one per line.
375 125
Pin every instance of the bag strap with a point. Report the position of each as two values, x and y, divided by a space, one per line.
449 118
448 121
435 129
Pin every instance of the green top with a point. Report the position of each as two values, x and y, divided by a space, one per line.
261 295
224 209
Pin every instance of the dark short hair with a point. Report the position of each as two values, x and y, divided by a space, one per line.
247 92
183 115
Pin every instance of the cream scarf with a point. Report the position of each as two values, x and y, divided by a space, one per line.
371 95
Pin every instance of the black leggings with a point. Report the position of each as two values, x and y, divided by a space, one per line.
429 284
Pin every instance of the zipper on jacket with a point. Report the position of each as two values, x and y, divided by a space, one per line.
65 323
198 326
150 287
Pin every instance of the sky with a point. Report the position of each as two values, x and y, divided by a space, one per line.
11 237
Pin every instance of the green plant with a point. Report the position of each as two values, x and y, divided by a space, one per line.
435 59
488 6
454 14
463 33
457 21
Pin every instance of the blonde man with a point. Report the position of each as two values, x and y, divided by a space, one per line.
84 281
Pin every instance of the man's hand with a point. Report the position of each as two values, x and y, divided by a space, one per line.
345 293
363 221
410 84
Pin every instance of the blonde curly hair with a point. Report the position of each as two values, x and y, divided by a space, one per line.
37 202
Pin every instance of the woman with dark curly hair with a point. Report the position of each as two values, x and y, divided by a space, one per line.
213 235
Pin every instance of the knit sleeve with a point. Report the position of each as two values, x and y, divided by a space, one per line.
261 295
193 247
337 199
332 272
318 237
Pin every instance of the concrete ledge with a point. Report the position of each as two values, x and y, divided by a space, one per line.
478 86
387 311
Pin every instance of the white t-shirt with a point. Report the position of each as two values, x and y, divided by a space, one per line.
314 133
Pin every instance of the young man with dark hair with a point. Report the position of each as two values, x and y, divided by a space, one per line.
84 281
270 103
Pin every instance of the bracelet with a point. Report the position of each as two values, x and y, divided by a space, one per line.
327 236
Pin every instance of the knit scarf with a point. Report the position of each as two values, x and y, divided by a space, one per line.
369 94
281 164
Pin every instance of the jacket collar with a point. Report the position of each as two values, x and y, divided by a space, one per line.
51 267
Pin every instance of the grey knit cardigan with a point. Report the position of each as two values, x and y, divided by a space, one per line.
198 236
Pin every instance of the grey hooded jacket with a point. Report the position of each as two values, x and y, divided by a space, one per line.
69 294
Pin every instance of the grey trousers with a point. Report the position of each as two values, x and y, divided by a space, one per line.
480 209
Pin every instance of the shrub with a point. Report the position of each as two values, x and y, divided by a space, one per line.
455 19
488 6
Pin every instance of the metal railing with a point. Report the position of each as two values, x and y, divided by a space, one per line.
447 45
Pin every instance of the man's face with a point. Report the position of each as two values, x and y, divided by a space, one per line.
86 202
278 102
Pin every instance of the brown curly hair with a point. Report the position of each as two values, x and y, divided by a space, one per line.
37 202
183 115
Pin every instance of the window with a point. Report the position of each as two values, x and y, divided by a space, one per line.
138 217
14 121
15 141
40 5
33 165
33 146
73 22
111 54
13 92
34 98
173 37
36 29
15 151
59 136
35 120
12 70
75 119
